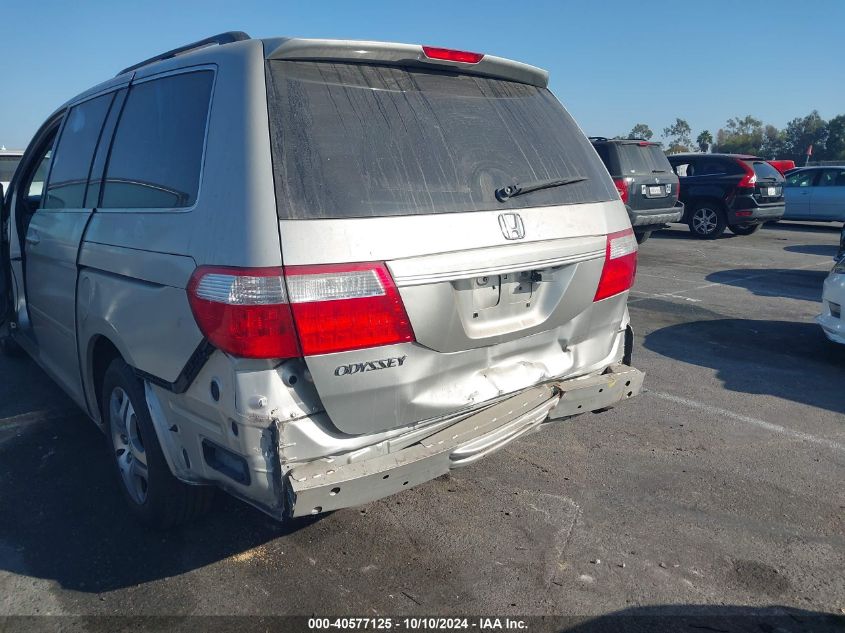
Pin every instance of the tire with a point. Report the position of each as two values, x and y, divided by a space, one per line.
9 347
643 236
707 221
154 495
744 229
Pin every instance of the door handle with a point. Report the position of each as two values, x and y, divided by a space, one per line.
33 238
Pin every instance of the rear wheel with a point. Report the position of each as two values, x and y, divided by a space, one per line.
154 495
707 221
642 236
744 229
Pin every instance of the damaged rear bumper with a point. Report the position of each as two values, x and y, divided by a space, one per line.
324 485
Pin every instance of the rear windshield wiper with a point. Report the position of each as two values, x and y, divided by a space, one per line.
512 191
659 171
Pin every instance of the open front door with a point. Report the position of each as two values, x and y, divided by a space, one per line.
52 239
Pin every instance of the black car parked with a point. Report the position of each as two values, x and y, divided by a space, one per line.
736 191
644 180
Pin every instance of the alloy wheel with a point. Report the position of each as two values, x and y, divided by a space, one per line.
128 445
704 221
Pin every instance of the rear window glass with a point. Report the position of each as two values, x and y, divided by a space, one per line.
353 140
157 150
765 171
642 159
8 165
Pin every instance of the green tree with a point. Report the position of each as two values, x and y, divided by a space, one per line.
802 132
773 143
835 144
704 141
678 136
641 130
740 136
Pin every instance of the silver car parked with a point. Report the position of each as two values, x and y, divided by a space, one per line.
815 193
316 273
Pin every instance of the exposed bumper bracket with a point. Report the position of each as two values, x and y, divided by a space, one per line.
322 486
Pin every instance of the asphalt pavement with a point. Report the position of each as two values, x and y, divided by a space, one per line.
720 488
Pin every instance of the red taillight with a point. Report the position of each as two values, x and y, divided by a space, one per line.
750 178
620 265
244 311
283 313
346 306
622 188
449 55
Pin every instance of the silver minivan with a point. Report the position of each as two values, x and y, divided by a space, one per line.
315 273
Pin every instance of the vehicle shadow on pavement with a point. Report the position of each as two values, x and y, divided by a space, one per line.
822 250
687 617
789 360
805 285
63 515
821 227
682 233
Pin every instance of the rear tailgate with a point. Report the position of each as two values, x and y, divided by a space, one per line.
393 165
769 185
651 182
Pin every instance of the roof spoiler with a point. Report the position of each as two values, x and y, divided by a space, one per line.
353 51
223 38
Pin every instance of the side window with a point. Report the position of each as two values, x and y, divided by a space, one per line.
601 150
832 178
801 178
73 154
36 185
157 150
712 168
684 170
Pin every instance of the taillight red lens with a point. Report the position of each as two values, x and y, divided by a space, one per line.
449 55
622 188
283 313
750 178
244 311
346 306
620 265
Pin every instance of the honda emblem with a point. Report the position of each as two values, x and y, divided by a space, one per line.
512 226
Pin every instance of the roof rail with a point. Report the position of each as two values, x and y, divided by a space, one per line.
222 38
598 138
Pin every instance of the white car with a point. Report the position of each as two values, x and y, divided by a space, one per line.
9 159
833 298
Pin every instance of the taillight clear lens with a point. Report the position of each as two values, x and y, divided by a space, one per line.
244 312
345 307
622 188
299 310
620 265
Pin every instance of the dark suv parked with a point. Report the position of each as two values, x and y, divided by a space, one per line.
728 190
644 180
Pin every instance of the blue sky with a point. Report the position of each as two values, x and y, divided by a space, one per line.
612 63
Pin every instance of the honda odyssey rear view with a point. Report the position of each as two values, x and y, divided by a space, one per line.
316 273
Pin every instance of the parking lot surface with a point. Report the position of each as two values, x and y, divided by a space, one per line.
723 485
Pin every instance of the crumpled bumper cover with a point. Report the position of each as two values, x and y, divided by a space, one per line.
322 486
